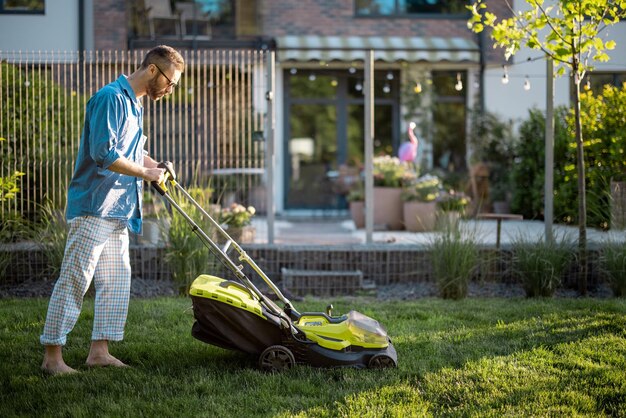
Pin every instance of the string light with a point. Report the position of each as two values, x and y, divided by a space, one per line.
386 88
334 82
505 76
526 84
389 75
312 77
459 84
352 70
358 86
418 88
293 71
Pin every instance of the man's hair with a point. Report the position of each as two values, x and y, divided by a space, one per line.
163 55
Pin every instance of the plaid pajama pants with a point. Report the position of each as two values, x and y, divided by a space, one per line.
96 249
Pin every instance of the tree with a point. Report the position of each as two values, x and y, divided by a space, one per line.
568 32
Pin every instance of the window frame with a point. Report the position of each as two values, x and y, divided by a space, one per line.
397 15
4 11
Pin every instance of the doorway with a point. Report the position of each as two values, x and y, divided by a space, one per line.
324 122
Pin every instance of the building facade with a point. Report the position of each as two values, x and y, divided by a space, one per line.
429 69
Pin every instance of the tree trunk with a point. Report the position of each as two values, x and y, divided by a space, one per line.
582 199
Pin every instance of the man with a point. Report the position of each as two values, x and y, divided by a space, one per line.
104 202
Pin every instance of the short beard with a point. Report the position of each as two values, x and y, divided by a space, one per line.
152 91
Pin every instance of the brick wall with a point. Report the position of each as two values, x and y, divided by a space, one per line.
110 25
336 18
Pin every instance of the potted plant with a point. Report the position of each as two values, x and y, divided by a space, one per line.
390 175
356 199
237 219
420 206
451 207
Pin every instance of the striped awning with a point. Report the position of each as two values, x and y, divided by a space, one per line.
386 48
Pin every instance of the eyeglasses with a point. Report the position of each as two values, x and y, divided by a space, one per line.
172 84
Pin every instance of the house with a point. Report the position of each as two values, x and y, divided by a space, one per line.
429 69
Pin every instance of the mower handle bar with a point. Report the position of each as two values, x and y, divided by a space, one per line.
243 256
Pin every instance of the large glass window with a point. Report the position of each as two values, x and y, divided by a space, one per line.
324 129
411 7
595 81
449 115
22 6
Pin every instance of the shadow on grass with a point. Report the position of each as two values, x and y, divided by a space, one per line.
447 351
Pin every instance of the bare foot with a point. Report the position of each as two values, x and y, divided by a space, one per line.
104 361
56 368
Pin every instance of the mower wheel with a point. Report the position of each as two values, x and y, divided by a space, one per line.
381 361
276 358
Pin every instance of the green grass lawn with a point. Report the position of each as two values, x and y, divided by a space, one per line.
475 357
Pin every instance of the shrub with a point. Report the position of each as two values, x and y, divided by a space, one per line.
25 108
604 133
528 172
605 139
540 265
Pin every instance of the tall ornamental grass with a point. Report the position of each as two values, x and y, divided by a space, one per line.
540 264
455 259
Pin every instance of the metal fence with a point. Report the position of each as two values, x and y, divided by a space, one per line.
212 127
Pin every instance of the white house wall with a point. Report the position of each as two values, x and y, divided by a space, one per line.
511 101
56 30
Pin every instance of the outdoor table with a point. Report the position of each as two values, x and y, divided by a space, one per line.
499 217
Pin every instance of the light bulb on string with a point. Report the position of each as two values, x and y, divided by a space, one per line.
386 88
526 84
459 84
505 76
389 75
358 86
334 82
312 77
418 88
293 71
352 70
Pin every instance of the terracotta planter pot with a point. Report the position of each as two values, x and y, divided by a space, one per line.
357 211
242 235
388 208
448 219
419 216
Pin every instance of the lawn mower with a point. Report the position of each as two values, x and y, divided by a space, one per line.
236 315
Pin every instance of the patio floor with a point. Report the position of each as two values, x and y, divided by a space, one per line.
343 232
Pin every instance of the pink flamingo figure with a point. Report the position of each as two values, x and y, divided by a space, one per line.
408 150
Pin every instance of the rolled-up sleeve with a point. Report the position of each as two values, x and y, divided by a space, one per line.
104 130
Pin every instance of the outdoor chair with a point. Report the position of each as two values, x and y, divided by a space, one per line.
194 22
161 20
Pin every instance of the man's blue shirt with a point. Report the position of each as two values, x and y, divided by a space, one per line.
113 128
